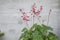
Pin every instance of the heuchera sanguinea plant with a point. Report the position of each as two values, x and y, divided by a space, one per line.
37 32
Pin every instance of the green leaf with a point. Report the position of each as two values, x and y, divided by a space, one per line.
46 38
52 36
47 27
1 34
25 29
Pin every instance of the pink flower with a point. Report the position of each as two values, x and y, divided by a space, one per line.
35 11
41 8
33 8
21 10
24 17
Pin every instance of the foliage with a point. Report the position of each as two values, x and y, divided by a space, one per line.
38 32
1 34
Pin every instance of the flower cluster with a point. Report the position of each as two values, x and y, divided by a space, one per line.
24 16
34 12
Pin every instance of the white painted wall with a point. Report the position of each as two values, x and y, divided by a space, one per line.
9 16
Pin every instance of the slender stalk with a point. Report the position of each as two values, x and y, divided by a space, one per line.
49 17
33 19
39 19
26 24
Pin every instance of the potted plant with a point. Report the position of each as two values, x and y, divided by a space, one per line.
37 31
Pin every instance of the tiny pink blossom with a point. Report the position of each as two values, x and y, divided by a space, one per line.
25 17
21 10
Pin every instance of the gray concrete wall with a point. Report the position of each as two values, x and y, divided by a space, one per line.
10 16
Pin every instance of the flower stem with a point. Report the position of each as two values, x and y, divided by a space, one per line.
49 17
27 24
33 19
39 19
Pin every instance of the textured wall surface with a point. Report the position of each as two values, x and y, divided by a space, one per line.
9 15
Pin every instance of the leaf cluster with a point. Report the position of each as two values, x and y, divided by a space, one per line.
38 32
